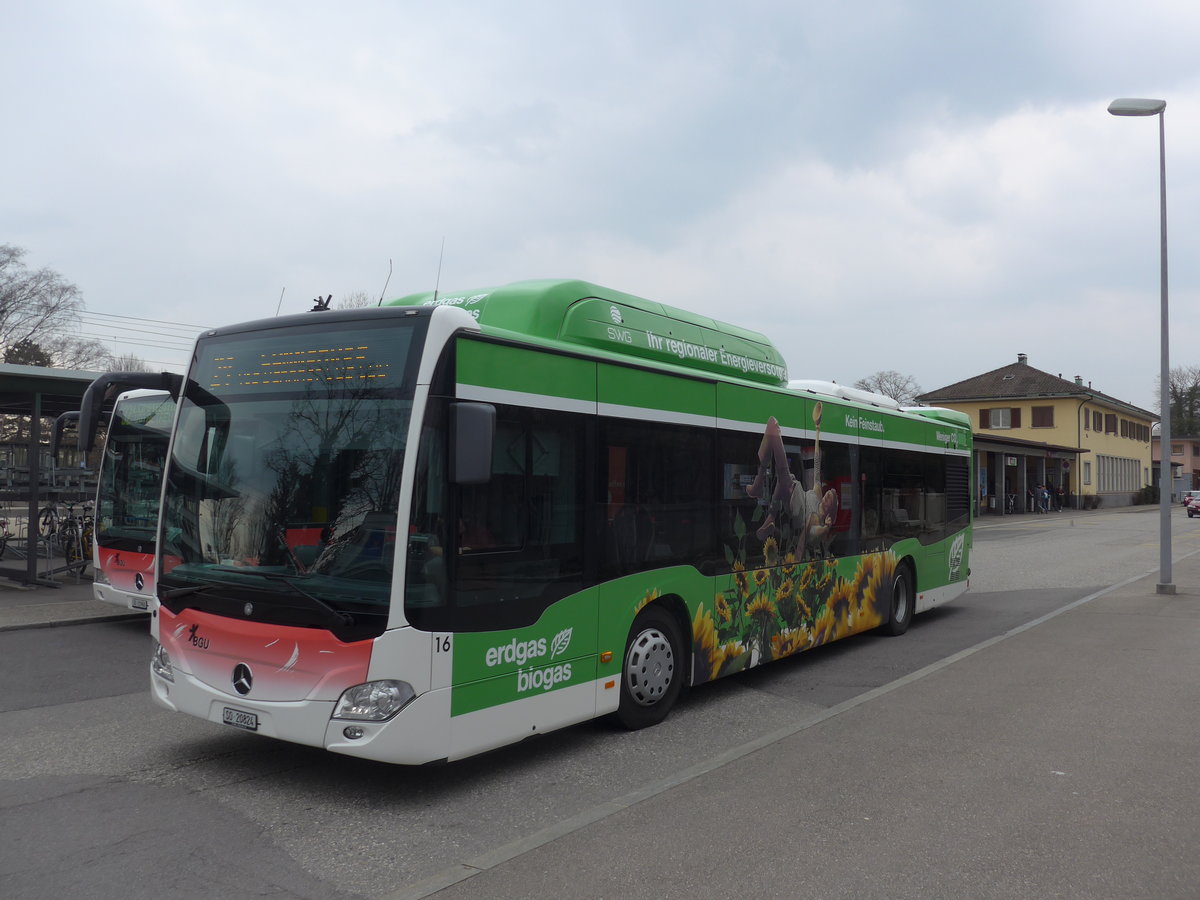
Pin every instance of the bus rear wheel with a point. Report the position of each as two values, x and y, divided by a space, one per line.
901 605
652 672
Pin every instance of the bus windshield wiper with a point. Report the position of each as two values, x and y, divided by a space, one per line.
337 616
176 593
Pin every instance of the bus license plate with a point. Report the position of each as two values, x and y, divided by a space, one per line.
239 719
141 602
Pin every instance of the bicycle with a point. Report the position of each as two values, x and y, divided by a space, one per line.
49 522
88 534
75 534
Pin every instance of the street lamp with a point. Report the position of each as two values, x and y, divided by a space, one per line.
1139 107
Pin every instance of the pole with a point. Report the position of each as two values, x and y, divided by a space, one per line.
1165 586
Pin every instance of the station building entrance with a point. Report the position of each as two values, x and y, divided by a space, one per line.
1009 472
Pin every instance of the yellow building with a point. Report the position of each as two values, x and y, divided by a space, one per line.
1033 428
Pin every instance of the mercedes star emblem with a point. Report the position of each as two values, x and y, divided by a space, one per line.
242 678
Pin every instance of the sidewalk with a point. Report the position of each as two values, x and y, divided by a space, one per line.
41 606
1056 760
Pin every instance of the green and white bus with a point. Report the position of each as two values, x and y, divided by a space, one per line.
421 531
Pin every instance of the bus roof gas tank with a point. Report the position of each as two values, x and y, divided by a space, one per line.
601 319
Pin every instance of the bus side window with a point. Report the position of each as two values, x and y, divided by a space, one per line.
491 516
426 569
658 494
519 536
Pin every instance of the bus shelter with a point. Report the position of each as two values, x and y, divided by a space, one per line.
31 398
1008 471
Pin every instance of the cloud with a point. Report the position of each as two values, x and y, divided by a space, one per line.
927 187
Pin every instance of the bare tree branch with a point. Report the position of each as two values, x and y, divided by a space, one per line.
41 308
1183 393
355 300
127 362
901 388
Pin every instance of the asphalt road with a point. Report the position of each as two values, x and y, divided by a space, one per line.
104 795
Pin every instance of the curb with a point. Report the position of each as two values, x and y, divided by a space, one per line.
79 620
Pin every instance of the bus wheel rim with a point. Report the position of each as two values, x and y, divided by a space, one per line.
649 667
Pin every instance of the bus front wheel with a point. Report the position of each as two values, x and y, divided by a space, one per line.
901 606
652 673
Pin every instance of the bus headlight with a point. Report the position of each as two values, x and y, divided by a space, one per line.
99 576
375 701
160 663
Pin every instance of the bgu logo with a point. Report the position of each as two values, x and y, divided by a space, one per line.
192 637
195 639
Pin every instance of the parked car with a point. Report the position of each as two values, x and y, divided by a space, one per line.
1191 502
1189 495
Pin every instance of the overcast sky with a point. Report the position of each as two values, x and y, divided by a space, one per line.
931 187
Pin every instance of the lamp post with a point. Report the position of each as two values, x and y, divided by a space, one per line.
1140 107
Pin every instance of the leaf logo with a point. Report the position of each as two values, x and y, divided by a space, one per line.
561 641
956 555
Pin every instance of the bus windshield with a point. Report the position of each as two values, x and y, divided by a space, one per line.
284 478
131 471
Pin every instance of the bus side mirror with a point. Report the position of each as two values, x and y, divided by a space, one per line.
56 436
472 428
108 384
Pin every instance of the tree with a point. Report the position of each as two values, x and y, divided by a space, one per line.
70 352
27 353
901 388
1183 393
42 308
127 362
355 300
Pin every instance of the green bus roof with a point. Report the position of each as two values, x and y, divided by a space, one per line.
583 314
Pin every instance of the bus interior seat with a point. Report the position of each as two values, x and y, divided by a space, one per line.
633 536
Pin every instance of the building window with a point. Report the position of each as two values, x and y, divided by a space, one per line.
1043 417
1116 474
1177 449
1097 421
1135 431
1000 418
1087 473
1110 423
